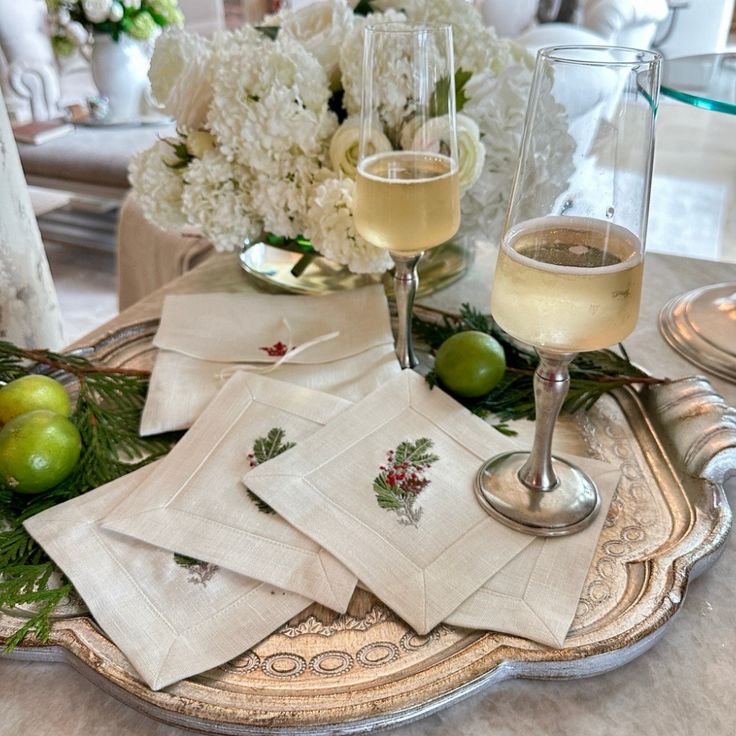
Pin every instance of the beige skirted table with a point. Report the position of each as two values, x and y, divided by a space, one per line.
682 686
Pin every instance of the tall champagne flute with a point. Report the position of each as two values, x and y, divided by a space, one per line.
407 195
569 271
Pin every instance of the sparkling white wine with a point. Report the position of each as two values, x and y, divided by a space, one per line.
568 283
407 201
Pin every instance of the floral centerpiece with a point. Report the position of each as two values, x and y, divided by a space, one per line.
117 37
74 22
267 132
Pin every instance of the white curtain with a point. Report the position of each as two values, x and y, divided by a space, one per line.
29 309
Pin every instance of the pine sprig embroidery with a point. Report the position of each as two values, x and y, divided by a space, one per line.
200 572
107 415
402 479
264 449
592 374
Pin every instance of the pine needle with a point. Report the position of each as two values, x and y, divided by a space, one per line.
107 414
592 374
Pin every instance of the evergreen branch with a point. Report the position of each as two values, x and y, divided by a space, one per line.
107 414
592 374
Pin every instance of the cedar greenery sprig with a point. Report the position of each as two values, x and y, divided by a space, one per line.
107 414
592 374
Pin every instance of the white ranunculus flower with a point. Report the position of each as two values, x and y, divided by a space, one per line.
158 187
330 227
97 11
132 4
63 17
433 135
116 12
345 144
320 27
181 76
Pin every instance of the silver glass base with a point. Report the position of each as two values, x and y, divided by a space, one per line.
569 508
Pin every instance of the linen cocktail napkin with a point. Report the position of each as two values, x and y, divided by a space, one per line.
341 344
387 487
536 595
171 619
195 503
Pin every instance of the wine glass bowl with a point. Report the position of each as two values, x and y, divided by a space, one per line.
407 197
569 270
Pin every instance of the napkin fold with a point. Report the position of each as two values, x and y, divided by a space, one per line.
203 338
388 488
195 503
171 619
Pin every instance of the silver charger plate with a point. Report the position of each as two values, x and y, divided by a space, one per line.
701 326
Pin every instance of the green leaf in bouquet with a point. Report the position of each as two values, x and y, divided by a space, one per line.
269 31
364 7
438 100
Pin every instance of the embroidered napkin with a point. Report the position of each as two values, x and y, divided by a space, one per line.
387 487
341 344
171 619
537 593
195 503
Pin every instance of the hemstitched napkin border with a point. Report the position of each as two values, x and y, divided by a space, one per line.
196 628
195 502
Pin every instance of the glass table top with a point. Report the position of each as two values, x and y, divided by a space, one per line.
707 81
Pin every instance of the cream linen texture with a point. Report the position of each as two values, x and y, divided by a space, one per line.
423 572
536 594
195 503
203 337
167 621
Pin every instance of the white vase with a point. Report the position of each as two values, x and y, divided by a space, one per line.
120 71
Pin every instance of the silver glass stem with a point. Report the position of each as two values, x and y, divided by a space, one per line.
405 287
551 384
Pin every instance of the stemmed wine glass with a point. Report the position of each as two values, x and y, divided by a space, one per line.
569 271
407 195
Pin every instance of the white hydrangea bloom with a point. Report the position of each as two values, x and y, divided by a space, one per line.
281 196
393 76
497 103
217 200
320 27
158 187
331 228
270 100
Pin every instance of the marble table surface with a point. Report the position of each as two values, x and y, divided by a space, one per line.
680 687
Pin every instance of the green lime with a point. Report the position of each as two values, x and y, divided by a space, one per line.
30 393
470 364
37 451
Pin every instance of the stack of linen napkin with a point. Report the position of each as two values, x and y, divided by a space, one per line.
280 495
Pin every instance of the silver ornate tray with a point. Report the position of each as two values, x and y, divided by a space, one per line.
325 673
